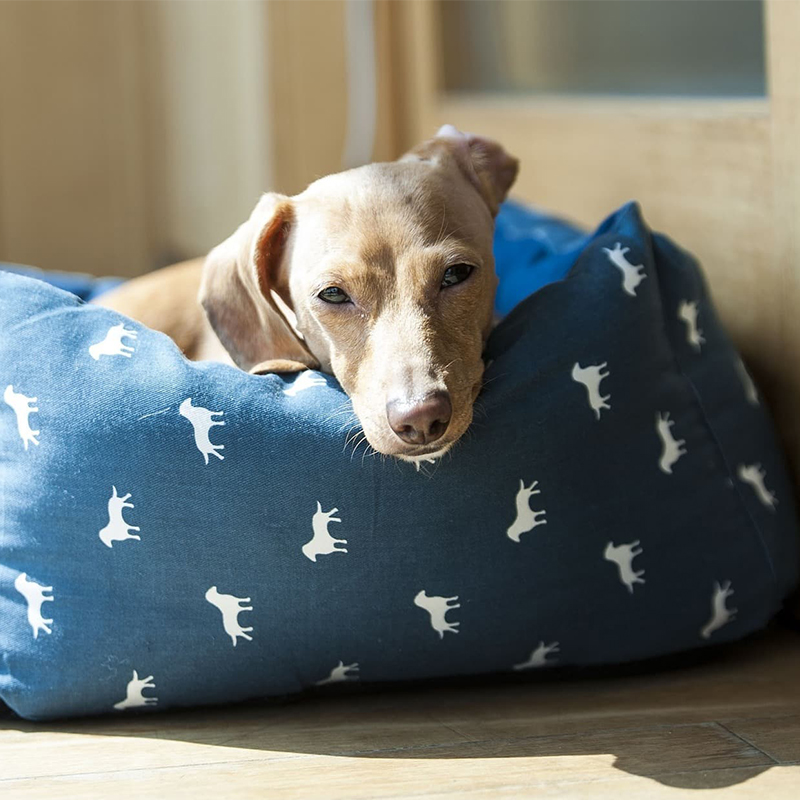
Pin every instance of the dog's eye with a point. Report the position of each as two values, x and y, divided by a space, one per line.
333 294
456 274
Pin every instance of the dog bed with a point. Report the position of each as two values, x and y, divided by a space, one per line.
176 533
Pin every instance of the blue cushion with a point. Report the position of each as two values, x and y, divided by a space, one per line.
175 533
84 286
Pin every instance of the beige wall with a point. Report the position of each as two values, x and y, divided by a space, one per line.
210 144
134 134
131 134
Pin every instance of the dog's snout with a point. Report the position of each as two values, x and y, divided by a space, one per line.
420 420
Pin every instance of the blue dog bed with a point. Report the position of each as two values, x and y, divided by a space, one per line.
176 533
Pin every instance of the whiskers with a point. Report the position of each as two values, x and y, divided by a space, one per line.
480 414
445 373
344 409
352 428
479 409
427 468
356 437
486 381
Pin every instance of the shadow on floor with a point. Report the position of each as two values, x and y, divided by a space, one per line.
669 722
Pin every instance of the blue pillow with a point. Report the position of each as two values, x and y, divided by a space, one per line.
84 286
176 533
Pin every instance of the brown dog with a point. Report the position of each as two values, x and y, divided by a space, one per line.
381 275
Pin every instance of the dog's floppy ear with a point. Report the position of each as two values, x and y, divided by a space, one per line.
239 278
484 162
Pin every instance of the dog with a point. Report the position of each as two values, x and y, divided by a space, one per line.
382 275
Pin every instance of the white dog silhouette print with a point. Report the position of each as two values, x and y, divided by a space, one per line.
202 422
687 311
590 377
112 345
340 673
438 607
35 594
720 615
305 380
538 657
22 407
754 475
527 519
750 391
230 607
622 555
632 274
133 693
322 543
671 449
117 529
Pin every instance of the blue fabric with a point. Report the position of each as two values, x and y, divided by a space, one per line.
84 286
144 566
531 249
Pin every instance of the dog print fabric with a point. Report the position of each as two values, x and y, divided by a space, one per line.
178 533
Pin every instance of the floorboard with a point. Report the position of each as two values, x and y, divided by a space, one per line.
728 727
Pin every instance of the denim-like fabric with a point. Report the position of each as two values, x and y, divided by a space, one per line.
84 286
168 530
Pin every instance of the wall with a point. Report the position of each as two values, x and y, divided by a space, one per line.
131 134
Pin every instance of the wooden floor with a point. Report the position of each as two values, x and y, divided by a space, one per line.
729 728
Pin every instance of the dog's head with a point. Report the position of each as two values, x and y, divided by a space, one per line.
382 275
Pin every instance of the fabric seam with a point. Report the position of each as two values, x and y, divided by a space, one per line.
707 423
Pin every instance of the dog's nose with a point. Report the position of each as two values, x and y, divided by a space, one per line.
420 420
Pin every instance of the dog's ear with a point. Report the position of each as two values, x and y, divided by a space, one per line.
484 162
239 279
